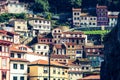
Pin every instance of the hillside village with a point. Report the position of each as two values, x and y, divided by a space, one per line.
33 50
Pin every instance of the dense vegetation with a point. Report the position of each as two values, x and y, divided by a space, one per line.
60 6
6 16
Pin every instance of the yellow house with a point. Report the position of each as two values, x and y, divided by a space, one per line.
39 70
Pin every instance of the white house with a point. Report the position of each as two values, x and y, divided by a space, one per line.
42 49
40 26
88 21
16 7
18 63
76 16
112 20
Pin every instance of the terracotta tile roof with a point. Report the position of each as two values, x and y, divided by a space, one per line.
3 42
76 9
58 46
15 47
59 56
112 16
45 62
7 32
91 77
18 59
16 50
101 6
95 46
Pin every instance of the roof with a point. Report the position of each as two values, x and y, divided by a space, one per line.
59 56
112 16
101 6
7 33
18 59
58 46
91 77
76 9
75 32
3 42
95 46
45 62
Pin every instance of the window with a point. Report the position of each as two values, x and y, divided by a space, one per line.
38 47
78 52
68 46
1 48
19 55
87 68
4 62
54 71
35 21
82 67
45 70
74 13
45 78
22 66
14 66
18 27
45 47
12 55
54 79
4 75
21 78
72 46
39 26
14 77
63 73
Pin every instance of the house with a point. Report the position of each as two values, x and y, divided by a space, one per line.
16 7
40 26
56 33
44 40
4 60
95 55
102 15
20 26
112 20
59 49
62 59
3 7
76 12
74 70
42 49
9 36
91 77
39 70
75 37
18 63
31 56
77 68
74 50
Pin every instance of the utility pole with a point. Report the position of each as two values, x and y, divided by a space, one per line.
49 56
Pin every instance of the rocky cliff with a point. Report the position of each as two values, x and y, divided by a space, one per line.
110 69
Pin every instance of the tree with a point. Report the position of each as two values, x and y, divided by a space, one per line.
40 6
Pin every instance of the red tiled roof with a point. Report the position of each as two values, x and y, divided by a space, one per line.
112 16
59 56
18 59
91 77
101 6
3 42
76 9
58 46
96 46
45 62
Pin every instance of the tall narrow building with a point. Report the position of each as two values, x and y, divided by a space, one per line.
4 60
102 15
